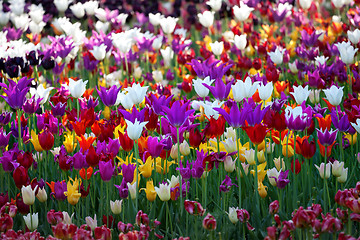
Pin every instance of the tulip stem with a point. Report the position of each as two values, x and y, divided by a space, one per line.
239 165
180 179
137 171
19 129
78 108
325 184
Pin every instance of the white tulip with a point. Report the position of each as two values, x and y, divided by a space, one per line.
217 48
167 55
265 91
354 36
135 129
301 94
243 12
240 41
77 88
334 95
155 19
99 52
347 52
32 221
199 87
206 18
277 56
163 191
78 10
168 24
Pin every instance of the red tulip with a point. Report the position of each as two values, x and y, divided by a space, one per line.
26 159
209 222
102 233
46 140
126 143
21 177
91 157
256 133
195 138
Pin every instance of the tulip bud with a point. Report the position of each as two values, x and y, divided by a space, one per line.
343 177
132 190
67 219
32 221
42 196
28 194
174 152
314 96
273 174
163 191
250 156
261 156
229 164
209 222
137 72
262 190
184 148
233 215
158 76
230 145
91 222
279 163
323 169
246 169
116 206
337 168
274 207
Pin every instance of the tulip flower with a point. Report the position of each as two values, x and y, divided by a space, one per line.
356 125
240 41
354 36
136 93
233 215
301 94
326 137
217 48
347 52
62 5
106 170
132 190
99 52
243 12
72 192
150 191
343 177
28 194
273 174
77 88
163 191
41 195
229 164
135 129
147 168
214 4
337 168
244 89
168 24
324 170
167 55
277 56
108 96
116 206
256 133
41 93
31 221
265 91
155 19
91 222
334 95
177 114
20 176
305 4
209 222
46 140
199 87
194 208
206 18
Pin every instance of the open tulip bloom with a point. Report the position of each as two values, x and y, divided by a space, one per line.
179 119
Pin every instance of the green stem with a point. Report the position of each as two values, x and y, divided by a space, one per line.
180 179
19 129
137 175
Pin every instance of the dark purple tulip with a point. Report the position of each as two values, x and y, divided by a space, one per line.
59 189
135 114
128 172
113 147
326 138
226 184
108 96
8 161
123 189
79 160
58 110
177 114
16 93
185 171
340 121
157 103
5 118
106 170
309 40
255 116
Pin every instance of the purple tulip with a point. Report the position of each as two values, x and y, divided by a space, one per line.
123 189
58 110
128 172
235 118
155 146
59 189
177 114
226 184
4 138
326 137
31 105
106 170
108 96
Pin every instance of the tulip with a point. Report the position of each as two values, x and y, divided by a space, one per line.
301 94
334 95
321 170
163 191
273 174
91 222
347 52
62 5
314 96
157 42
132 190
233 215
293 67
137 93
305 4
77 88
338 3
32 221
250 156
155 19
90 7
206 18
20 176
116 206
135 129
343 177
146 168
354 36
167 55
243 12
274 207
106 170
150 191
337 168
214 4
229 164
199 87
168 24
184 148
217 48
72 192
209 222
78 10
28 194
240 41
46 140
277 56
67 219
265 91
41 195
99 52
194 208
244 89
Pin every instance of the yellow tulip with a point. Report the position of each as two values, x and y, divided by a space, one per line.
261 172
150 191
117 129
72 192
262 190
351 138
163 170
146 168
35 141
69 143
106 113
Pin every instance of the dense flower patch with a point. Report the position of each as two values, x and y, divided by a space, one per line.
179 119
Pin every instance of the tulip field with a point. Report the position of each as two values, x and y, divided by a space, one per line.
196 119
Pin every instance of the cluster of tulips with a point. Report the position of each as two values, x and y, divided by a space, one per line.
179 120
